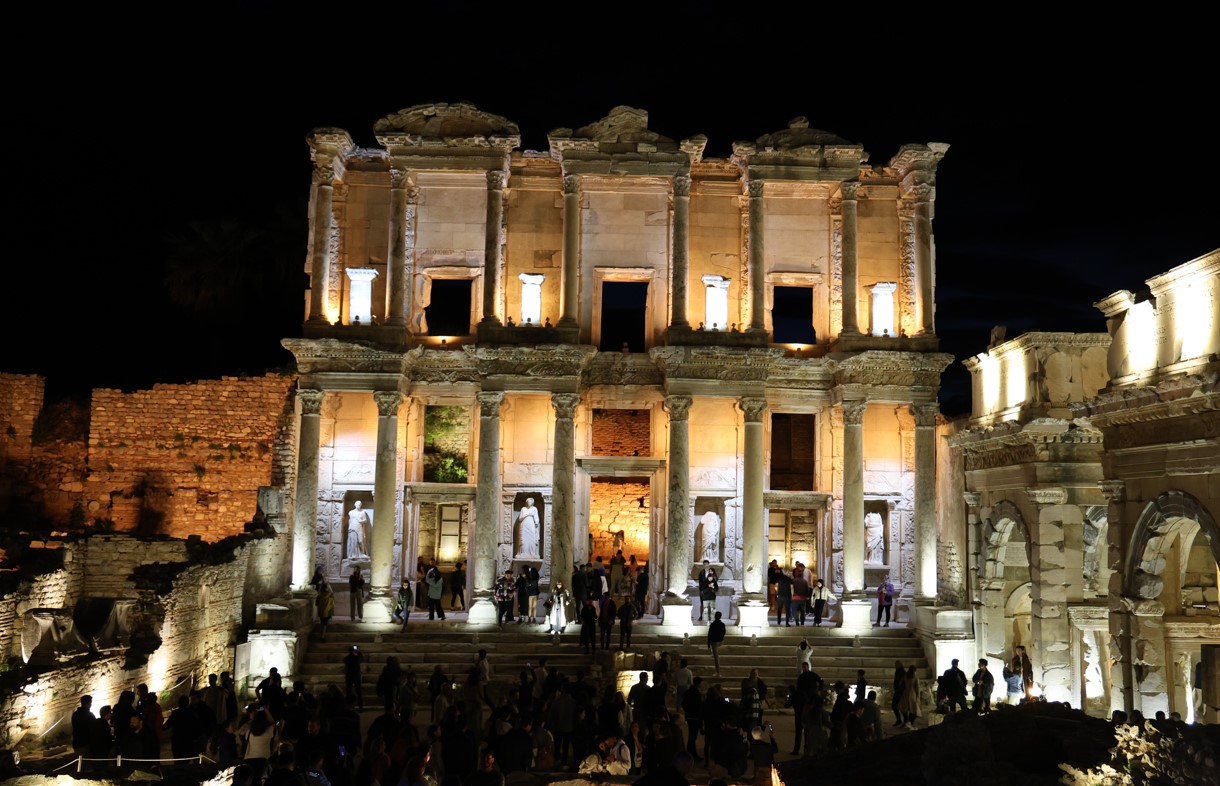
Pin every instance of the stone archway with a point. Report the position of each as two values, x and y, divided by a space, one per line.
1003 568
1165 633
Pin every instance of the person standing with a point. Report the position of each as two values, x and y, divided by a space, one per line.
984 686
800 593
457 588
772 590
355 598
684 678
532 590
504 597
715 637
641 587
588 627
885 600
709 585
900 674
820 596
1022 665
83 721
692 708
908 702
436 588
353 666
626 614
953 683
403 602
558 609
325 603
609 612
782 586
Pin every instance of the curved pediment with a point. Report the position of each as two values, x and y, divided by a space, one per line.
799 134
624 125
445 121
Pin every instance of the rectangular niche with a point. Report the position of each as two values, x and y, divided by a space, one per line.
619 517
792 452
446 443
622 432
709 530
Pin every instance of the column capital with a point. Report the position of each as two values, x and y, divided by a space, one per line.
1055 495
565 404
388 402
682 185
400 176
490 402
973 498
311 401
924 414
753 408
1113 490
853 412
919 192
678 407
324 171
496 179
571 184
848 190
755 188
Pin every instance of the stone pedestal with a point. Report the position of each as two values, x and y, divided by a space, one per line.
676 612
483 611
752 612
378 606
857 615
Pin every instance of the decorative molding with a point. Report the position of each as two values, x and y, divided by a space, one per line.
311 401
682 185
1047 496
1113 490
565 405
388 403
490 403
853 412
496 179
972 498
755 188
753 408
678 407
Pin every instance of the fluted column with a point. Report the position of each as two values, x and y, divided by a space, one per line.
563 499
571 250
385 492
753 533
487 508
851 265
305 503
853 496
323 216
757 261
681 270
678 545
493 246
925 501
397 266
925 299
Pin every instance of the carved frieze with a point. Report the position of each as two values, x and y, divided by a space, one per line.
615 368
321 355
537 362
716 363
901 369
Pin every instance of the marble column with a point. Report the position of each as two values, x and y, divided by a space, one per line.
681 270
385 506
486 509
1122 618
398 268
855 604
925 502
305 503
563 495
493 246
678 546
757 260
571 250
323 217
851 265
925 299
754 534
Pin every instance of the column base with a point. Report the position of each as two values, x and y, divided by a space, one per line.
857 615
377 608
483 611
675 612
753 615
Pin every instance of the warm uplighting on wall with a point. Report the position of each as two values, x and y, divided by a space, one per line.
796 349
1194 318
360 295
881 309
531 298
989 370
1140 324
716 311
1015 374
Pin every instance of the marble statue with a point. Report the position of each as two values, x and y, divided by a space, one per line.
874 538
710 544
527 532
359 522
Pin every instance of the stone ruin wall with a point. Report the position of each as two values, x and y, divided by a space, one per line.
21 397
193 608
621 432
951 546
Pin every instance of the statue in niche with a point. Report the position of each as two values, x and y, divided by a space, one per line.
527 530
359 524
710 535
874 538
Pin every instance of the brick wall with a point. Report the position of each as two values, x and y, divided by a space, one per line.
621 432
614 504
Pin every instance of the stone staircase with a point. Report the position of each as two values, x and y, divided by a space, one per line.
452 645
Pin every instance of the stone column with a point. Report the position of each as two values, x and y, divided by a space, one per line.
493 246
486 509
855 604
925 502
757 261
323 217
1122 620
678 545
681 251
398 268
305 504
752 611
851 268
563 494
925 299
385 506
571 250
1049 589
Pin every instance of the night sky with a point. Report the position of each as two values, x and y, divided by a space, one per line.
1079 163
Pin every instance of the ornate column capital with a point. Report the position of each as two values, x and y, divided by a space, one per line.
753 408
1113 490
324 171
973 498
565 405
919 192
924 414
682 185
496 179
490 403
678 407
571 184
311 401
755 188
400 176
848 190
853 412
388 402
1047 496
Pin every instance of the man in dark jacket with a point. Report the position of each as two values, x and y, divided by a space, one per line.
715 637
783 598
626 615
953 682
588 627
608 614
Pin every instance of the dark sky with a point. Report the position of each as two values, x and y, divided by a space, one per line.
1080 162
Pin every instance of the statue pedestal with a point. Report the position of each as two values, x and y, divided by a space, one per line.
483 611
857 615
753 612
676 612
377 607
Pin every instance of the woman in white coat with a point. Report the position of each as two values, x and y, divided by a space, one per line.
559 609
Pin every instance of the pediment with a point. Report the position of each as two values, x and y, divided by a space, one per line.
624 125
445 121
798 134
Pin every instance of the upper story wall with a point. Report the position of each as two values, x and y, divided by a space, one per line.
1036 375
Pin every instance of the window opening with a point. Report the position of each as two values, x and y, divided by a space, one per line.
792 315
624 305
448 313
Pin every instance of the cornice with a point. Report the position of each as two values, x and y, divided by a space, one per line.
328 355
1186 396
